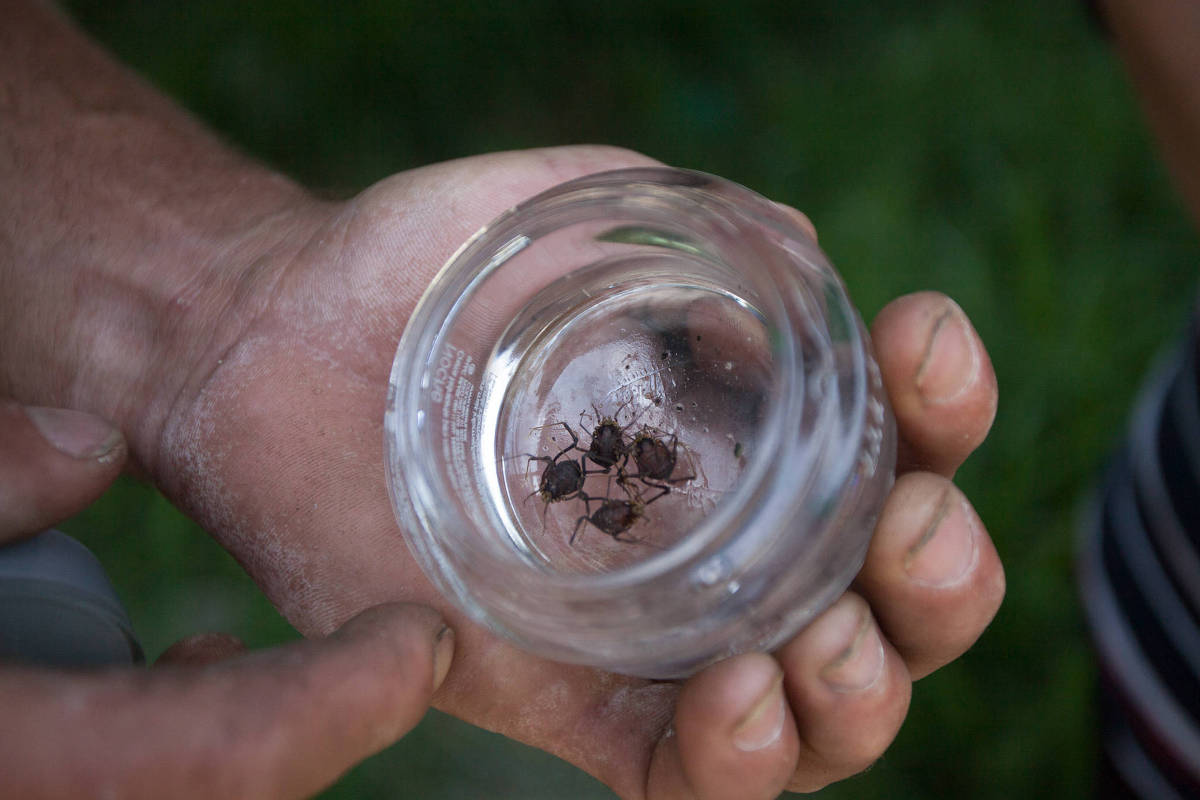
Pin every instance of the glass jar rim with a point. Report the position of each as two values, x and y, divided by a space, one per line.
487 251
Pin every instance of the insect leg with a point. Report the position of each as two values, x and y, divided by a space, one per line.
586 517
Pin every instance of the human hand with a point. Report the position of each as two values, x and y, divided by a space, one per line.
279 723
274 443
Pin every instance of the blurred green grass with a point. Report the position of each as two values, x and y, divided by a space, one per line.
989 150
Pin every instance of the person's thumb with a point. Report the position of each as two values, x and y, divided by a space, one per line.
53 463
284 722
357 691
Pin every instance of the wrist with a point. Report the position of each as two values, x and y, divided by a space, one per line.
126 327
129 234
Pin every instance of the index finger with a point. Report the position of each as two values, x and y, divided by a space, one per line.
939 379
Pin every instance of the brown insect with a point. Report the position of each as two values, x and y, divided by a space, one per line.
561 480
655 461
614 516
608 444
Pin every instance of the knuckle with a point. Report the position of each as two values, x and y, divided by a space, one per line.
571 161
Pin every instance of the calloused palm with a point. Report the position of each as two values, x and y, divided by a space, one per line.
275 445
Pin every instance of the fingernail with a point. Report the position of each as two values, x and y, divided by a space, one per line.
201 649
951 363
763 724
860 663
443 654
947 549
76 434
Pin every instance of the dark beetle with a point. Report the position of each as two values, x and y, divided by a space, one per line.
615 517
653 458
655 461
561 480
608 442
608 445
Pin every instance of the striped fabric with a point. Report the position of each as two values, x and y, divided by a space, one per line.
1140 580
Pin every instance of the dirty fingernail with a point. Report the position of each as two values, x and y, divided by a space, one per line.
76 434
443 655
762 725
947 549
860 663
951 363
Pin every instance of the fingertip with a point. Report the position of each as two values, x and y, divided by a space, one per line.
850 692
284 722
407 635
736 734
939 379
948 548
348 696
54 462
932 573
745 694
840 652
762 724
951 359
77 434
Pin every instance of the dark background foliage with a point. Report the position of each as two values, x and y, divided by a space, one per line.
989 150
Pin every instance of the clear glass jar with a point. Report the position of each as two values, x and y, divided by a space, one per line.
635 423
